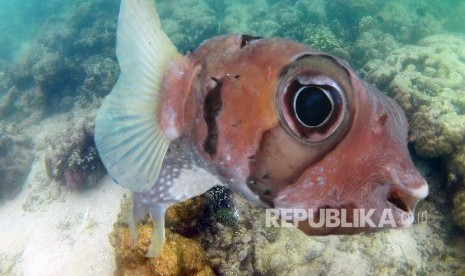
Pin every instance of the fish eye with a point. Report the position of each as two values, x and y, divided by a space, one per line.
313 99
313 106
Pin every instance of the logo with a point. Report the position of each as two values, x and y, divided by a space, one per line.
332 218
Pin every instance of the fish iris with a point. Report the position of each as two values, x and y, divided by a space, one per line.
312 106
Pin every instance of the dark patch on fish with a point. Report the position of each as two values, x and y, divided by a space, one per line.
212 108
246 39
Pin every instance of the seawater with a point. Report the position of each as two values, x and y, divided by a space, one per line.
57 57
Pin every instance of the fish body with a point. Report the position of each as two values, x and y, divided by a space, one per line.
286 126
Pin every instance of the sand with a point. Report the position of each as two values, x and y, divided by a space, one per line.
66 232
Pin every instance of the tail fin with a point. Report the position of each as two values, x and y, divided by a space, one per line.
127 135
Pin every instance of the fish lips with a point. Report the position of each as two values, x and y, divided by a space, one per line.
403 201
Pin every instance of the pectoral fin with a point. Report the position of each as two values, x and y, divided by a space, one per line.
129 140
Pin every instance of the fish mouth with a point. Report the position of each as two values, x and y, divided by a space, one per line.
403 201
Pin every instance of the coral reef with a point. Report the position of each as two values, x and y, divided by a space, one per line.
69 66
16 156
304 21
22 107
187 28
350 12
255 248
185 217
244 18
180 256
66 58
372 46
459 209
18 109
73 160
406 25
427 80
321 38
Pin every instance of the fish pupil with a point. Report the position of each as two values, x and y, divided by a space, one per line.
312 106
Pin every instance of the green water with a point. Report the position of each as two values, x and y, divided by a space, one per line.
57 57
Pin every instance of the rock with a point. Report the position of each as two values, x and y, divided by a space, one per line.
459 209
250 247
180 256
16 156
428 82
184 217
73 159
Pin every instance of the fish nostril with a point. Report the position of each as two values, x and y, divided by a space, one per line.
397 201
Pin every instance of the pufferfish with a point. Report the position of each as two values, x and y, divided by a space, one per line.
284 125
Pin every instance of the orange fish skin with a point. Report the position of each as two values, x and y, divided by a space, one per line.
231 101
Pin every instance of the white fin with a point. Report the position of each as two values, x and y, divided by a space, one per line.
182 177
157 212
158 233
132 225
128 138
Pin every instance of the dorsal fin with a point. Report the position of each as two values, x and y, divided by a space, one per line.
128 138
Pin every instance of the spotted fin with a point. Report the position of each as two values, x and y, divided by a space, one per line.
182 177
129 140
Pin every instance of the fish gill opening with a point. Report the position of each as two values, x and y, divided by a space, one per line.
211 109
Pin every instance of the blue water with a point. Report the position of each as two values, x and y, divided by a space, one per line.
21 23
65 50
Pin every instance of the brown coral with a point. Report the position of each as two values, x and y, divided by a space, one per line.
180 256
73 158
459 209
184 216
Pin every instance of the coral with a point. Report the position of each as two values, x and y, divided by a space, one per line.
100 77
250 247
71 65
73 158
231 239
402 21
350 12
188 27
459 209
406 25
22 107
321 38
58 72
313 10
370 48
427 80
184 217
239 18
457 165
18 109
16 157
304 21
61 58
180 255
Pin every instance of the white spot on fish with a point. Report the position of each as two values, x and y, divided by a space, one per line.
171 132
308 184
321 181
